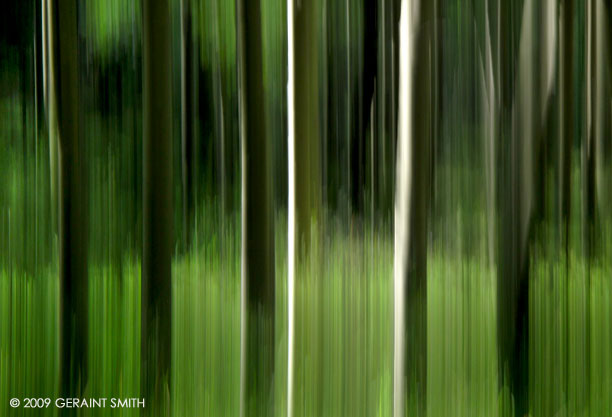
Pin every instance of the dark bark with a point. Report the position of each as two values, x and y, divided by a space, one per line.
257 344
588 144
566 135
524 130
72 205
387 96
187 120
505 305
304 165
362 102
24 82
52 109
566 114
306 123
37 60
219 113
158 217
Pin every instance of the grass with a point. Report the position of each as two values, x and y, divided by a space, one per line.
344 322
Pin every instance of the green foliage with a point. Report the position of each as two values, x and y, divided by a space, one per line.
112 24
345 318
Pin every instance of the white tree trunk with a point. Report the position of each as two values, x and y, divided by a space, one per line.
411 204
292 209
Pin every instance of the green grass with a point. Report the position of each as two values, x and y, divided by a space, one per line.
344 321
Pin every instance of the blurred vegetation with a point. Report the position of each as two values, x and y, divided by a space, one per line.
344 323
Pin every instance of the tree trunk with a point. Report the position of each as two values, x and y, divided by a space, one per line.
566 112
51 100
187 120
600 111
491 110
219 112
24 81
588 143
63 83
514 269
257 323
158 217
304 161
588 182
530 110
45 50
411 207
37 61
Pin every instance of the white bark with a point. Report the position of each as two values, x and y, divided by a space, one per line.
292 208
411 202
402 210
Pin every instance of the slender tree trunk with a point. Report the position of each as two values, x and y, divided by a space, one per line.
219 110
303 164
373 161
72 207
24 82
51 99
158 217
44 27
566 112
349 104
588 182
381 98
491 110
601 102
437 98
37 61
588 144
38 97
257 323
187 119
566 137
412 206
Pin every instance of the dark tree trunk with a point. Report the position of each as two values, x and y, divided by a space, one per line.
158 217
257 338
566 137
51 66
369 50
588 144
24 82
72 205
386 102
523 129
187 120
303 162
37 60
566 114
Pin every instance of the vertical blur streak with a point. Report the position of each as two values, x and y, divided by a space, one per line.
257 273
291 206
51 36
411 208
157 209
187 119
72 205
